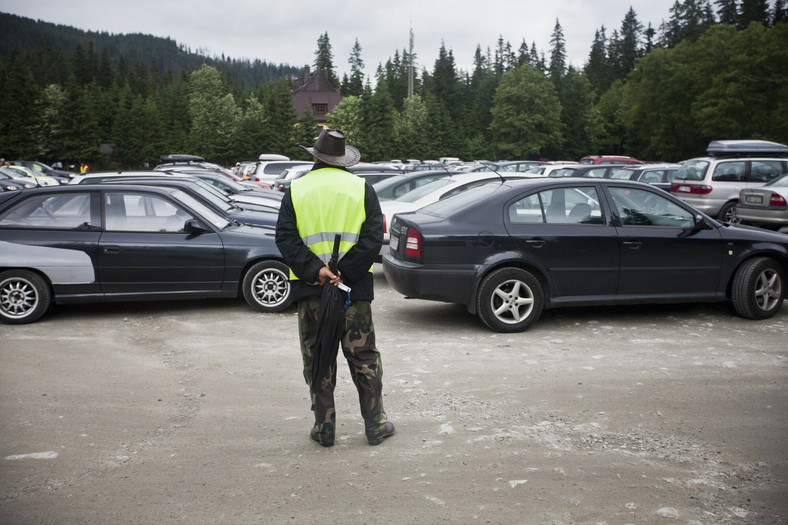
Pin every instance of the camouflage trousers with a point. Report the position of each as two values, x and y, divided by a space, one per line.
363 358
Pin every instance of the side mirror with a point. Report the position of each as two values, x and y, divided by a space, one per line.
194 226
700 222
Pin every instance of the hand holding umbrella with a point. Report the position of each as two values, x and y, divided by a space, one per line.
331 319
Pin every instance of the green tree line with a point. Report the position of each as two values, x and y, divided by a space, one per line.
656 94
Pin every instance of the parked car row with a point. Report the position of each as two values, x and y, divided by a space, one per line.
506 244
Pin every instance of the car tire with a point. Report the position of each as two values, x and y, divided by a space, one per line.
758 288
266 286
510 300
24 297
728 213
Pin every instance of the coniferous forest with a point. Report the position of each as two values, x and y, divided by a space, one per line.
713 70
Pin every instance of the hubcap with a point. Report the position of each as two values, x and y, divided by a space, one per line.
768 289
271 287
17 298
512 301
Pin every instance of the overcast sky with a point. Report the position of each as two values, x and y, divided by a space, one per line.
286 31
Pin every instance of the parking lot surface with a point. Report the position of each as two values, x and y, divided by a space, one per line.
197 412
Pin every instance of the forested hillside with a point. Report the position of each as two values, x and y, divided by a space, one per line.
120 101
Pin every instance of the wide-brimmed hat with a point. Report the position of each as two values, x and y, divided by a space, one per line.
330 147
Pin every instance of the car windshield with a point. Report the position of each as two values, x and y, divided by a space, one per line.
461 200
421 191
213 195
207 213
692 170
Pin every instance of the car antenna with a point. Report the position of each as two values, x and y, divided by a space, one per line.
497 173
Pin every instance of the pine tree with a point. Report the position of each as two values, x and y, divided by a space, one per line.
581 123
597 68
629 50
324 58
780 13
355 83
727 11
557 54
17 106
754 11
688 21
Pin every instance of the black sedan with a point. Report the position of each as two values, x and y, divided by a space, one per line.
509 250
264 212
115 242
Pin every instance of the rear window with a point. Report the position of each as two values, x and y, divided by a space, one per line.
693 170
421 191
461 200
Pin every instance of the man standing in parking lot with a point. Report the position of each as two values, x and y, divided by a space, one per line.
330 200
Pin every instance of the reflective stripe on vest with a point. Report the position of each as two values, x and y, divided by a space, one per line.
328 201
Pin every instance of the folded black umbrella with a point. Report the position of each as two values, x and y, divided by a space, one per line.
330 324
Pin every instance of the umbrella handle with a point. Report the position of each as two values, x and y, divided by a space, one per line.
335 254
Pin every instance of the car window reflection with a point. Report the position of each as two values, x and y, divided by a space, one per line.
578 205
643 208
143 213
51 212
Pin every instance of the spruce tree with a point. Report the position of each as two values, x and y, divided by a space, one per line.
727 11
355 83
629 50
557 54
597 67
780 13
754 11
324 58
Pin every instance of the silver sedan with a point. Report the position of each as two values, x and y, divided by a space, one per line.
765 206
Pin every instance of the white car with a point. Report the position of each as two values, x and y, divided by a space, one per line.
546 169
266 171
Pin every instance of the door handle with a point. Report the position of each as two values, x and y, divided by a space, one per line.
633 245
111 250
536 243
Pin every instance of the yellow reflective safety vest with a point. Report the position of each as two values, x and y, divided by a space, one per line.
328 201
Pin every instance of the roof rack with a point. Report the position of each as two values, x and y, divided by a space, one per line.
181 158
746 148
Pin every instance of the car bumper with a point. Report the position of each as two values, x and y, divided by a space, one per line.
708 206
762 216
447 284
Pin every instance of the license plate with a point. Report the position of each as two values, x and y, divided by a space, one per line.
753 199
393 243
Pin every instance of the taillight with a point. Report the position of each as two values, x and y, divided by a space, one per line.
694 189
777 200
413 244
385 228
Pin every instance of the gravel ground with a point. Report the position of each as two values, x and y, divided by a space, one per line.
196 412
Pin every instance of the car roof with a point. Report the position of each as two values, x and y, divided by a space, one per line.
180 158
750 148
